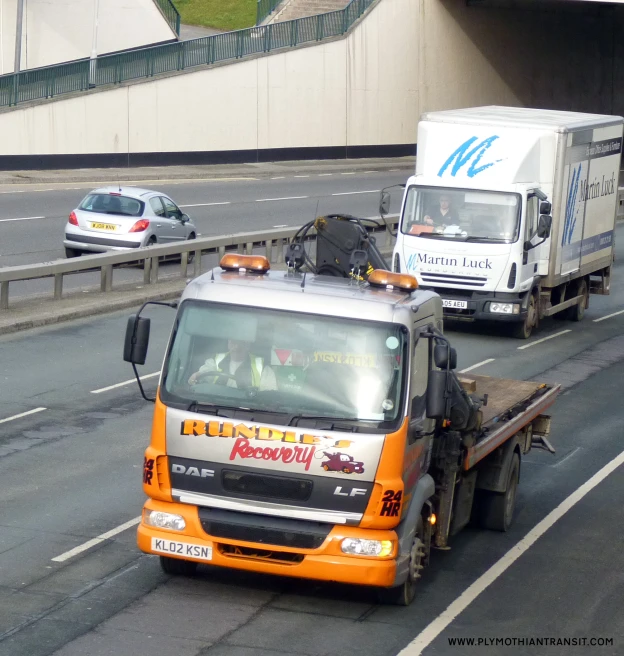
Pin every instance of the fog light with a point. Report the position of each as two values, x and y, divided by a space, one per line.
160 519
504 308
361 547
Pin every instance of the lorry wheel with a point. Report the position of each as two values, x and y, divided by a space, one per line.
403 595
496 509
577 312
177 567
523 330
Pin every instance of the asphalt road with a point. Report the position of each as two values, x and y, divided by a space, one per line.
32 220
71 471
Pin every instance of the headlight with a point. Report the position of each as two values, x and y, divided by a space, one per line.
360 547
164 520
505 308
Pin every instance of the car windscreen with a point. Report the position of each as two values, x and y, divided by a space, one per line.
461 214
283 362
112 204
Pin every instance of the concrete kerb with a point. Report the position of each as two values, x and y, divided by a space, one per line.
256 170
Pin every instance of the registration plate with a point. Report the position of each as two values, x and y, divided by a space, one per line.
175 548
104 226
458 305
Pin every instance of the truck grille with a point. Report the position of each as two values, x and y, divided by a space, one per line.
262 485
262 529
451 279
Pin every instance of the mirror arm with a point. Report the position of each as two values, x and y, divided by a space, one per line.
138 378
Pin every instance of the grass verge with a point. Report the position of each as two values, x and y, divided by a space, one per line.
221 14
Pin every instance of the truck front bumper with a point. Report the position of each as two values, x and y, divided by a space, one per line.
326 563
478 306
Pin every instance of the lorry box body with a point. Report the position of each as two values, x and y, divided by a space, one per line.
495 166
332 463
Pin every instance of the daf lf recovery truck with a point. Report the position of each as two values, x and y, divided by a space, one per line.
511 214
314 427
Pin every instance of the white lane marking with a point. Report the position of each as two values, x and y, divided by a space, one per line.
371 171
20 191
324 175
544 339
227 202
282 225
267 200
279 177
608 316
100 538
301 176
479 364
348 173
21 414
433 630
351 193
126 382
25 218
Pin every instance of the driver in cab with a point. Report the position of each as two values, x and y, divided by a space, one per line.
240 369
443 215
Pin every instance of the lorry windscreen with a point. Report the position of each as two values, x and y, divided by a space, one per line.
461 214
282 362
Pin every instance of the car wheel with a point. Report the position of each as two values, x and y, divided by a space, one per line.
177 567
72 252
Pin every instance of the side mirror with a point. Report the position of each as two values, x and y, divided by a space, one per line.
137 339
185 218
544 224
545 207
435 399
441 357
384 203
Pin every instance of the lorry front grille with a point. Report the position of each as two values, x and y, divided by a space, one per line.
262 485
263 529
282 557
451 279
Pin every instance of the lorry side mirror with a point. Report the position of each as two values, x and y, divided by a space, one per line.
441 357
435 399
545 207
544 225
384 203
137 339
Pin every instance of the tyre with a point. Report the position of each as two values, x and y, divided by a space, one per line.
577 312
72 252
495 509
403 595
177 567
524 329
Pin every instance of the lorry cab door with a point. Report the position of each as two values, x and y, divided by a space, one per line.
528 269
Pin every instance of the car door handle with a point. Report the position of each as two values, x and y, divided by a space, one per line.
158 225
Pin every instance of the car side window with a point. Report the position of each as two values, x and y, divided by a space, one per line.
173 211
157 206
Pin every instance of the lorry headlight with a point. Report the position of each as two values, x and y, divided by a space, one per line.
504 308
361 547
160 519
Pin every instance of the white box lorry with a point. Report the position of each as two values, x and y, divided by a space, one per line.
511 213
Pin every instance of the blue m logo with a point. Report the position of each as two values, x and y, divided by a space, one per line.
469 153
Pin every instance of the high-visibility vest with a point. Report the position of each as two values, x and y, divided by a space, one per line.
257 365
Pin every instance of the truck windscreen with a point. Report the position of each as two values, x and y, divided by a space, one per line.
301 365
461 214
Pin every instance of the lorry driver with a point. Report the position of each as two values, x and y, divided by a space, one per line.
443 214
244 369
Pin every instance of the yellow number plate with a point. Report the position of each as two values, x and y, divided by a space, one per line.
104 226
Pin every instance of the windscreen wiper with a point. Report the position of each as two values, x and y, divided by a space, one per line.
497 240
217 410
336 423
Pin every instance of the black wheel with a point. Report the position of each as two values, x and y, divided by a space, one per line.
177 567
191 255
496 509
524 329
151 241
577 312
72 252
403 595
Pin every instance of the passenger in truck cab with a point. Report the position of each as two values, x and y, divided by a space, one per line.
443 214
241 367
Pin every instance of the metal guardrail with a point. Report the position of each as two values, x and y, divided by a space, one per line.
273 241
171 14
51 81
264 8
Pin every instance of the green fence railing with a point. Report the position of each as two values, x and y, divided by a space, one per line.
171 14
51 81
264 8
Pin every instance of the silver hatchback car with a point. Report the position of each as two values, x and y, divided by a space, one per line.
116 218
